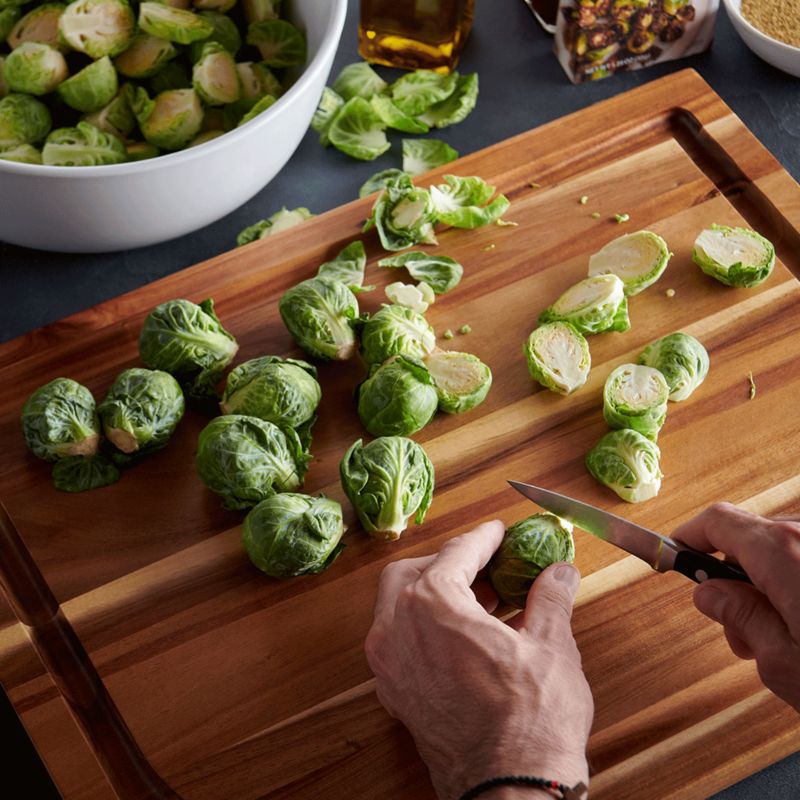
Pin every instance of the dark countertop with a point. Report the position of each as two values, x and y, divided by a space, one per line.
522 86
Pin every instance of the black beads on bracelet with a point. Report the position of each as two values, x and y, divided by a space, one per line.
558 790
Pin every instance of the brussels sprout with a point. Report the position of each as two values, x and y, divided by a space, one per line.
214 76
278 41
246 459
397 399
92 88
141 410
463 202
225 33
329 105
456 107
141 151
358 131
260 105
115 118
348 267
205 136
417 298
734 256
21 153
558 357
189 342
378 181
23 120
528 547
628 463
3 84
82 146
358 80
462 380
673 6
293 534
171 120
318 313
440 272
97 27
388 481
259 10
279 221
217 6
82 473
38 25
393 117
417 91
145 56
635 396
60 419
403 215
34 68
421 155
8 19
681 359
173 75
639 259
395 330
174 24
594 305
257 81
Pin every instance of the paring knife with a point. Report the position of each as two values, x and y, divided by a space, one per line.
660 552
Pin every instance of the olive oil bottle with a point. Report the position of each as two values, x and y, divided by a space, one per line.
414 34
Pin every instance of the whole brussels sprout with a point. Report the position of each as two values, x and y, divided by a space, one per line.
397 399
462 380
82 146
528 547
97 27
280 43
174 24
214 77
635 396
395 331
21 153
82 473
34 68
145 56
189 342
681 359
638 259
558 357
388 481
171 120
141 410
91 89
23 120
38 25
60 419
246 459
594 305
318 313
734 256
628 463
289 534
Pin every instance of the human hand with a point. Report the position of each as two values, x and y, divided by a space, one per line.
481 698
761 621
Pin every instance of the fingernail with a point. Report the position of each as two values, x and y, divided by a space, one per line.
710 601
566 573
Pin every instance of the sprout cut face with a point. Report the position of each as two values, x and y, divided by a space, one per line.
38 25
171 120
595 305
145 56
635 396
215 77
280 221
98 27
388 481
34 68
558 357
734 256
628 463
528 547
639 259
173 24
462 380
681 359
396 330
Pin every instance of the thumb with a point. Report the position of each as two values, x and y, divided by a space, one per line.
548 609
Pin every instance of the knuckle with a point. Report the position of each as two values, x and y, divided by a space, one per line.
739 616
549 599
373 645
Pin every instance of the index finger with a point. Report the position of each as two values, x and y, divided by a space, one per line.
464 556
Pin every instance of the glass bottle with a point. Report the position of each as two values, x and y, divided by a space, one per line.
414 34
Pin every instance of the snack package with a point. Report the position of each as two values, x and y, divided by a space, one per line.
596 38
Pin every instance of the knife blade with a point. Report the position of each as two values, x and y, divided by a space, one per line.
660 552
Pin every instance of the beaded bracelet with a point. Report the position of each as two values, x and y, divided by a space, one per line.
577 792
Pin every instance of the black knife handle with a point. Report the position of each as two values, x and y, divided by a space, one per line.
701 567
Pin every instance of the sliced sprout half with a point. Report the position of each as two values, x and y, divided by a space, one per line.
358 80
98 27
215 77
140 151
145 56
441 273
396 330
225 33
259 10
635 396
21 153
558 357
116 117
403 214
421 155
628 463
82 146
170 120
681 359
734 256
594 305
9 17
461 379
639 259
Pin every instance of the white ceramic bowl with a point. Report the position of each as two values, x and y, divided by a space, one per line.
122 206
781 55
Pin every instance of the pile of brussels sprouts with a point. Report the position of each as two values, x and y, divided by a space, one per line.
98 82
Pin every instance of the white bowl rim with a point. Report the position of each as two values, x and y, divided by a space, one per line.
735 9
330 41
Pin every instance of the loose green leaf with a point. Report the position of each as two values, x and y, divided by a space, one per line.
358 131
394 118
358 80
329 106
417 91
440 272
421 155
460 202
403 214
82 473
348 267
280 43
378 181
279 221
456 107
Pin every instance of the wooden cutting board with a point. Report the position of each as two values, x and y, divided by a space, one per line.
237 686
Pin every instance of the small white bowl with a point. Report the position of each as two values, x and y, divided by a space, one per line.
122 206
784 56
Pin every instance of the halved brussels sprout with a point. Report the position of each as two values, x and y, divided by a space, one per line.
329 105
38 25
97 27
116 117
594 305
205 136
464 202
358 80
395 330
358 131
558 357
417 298
681 359
462 380
259 10
388 481
417 91
171 120
348 267
421 155
456 107
9 17
734 256
60 419
279 221
257 81
94 87
280 43
214 76
440 272
225 33
403 214
393 117
218 6
246 459
378 181
174 24
635 396
528 547
145 56
318 314
189 342
141 151
83 473
21 153
639 259
628 463
23 120
141 410
293 534
173 75
82 146
34 68
260 105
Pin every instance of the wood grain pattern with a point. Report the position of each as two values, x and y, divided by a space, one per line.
241 687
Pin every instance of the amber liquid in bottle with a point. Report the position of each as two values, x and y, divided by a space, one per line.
414 34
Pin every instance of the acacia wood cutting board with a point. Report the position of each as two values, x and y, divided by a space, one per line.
237 686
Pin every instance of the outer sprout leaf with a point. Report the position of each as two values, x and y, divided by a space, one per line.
358 80
279 221
378 181
558 357
628 463
440 272
395 330
681 359
82 473
329 106
358 131
421 155
403 214
460 202
348 267
393 117
734 256
417 91
635 396
280 43
455 108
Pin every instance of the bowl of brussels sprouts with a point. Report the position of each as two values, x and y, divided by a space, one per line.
124 125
